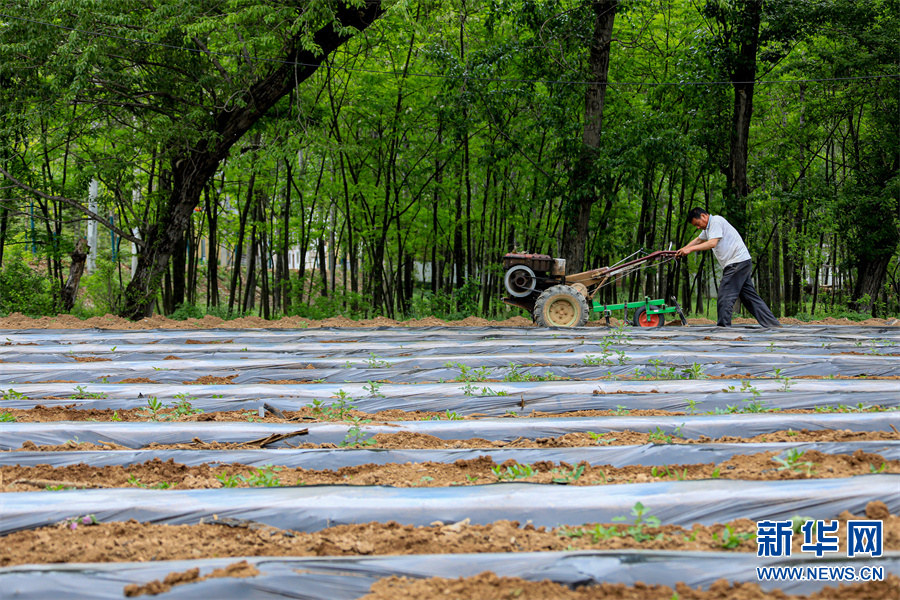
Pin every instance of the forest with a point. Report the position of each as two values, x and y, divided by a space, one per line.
379 157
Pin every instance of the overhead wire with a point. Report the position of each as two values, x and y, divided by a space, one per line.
447 77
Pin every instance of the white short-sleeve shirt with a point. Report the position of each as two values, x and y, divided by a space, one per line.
731 248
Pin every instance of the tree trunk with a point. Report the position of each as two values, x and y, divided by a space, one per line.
743 76
76 270
577 209
194 166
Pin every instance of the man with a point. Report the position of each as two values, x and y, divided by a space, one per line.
717 234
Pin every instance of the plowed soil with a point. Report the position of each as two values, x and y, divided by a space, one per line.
483 470
132 541
488 586
19 321
71 412
421 441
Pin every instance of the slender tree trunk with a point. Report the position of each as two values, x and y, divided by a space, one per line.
577 209
76 270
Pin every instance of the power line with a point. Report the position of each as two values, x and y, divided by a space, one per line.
448 77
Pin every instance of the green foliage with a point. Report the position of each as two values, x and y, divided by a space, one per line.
185 311
24 290
264 477
512 472
6 417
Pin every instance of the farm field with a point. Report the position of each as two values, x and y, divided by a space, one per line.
391 461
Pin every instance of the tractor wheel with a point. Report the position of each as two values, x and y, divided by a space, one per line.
642 319
561 306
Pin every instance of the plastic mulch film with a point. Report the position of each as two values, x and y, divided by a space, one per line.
139 435
313 508
495 368
617 456
349 578
232 399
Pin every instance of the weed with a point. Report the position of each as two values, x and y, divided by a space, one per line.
716 473
6 417
513 472
162 485
881 469
471 478
426 478
568 476
264 477
57 488
621 410
14 395
115 416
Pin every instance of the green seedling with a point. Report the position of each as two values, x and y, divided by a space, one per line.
568 476
641 520
229 482
115 416
695 371
6 417
14 395
356 437
426 478
599 439
372 388
881 469
792 461
153 409
375 362
731 540
658 436
786 382
692 406
513 472
264 477
58 488
621 410
81 393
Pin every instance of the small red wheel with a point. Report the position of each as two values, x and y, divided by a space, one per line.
642 319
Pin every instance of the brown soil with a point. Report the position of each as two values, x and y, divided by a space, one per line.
488 586
19 321
241 569
71 412
421 441
132 541
171 475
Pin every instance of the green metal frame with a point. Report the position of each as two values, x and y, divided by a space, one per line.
650 305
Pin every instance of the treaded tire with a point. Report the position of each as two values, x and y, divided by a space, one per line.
561 306
641 319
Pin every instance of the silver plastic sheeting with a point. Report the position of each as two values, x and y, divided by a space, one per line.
349 578
313 508
617 456
233 399
139 435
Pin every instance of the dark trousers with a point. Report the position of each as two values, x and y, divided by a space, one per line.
736 284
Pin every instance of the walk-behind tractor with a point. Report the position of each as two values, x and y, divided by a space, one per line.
539 284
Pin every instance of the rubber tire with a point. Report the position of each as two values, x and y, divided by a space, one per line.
640 319
561 306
